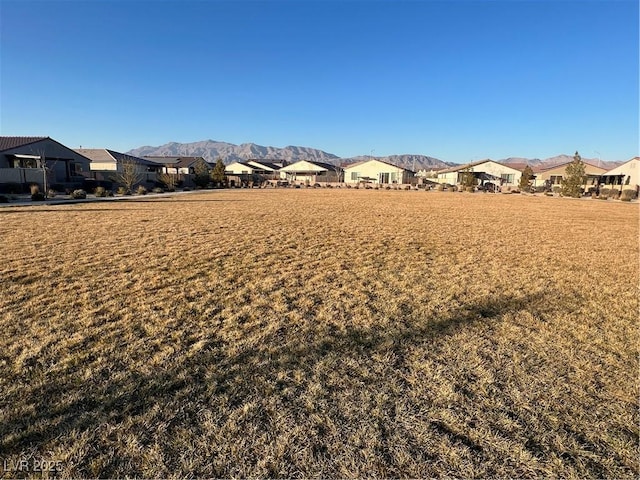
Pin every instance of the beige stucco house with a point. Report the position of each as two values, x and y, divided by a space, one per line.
486 172
376 172
308 172
552 176
622 177
103 159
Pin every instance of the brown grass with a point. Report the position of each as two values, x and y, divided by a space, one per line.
321 333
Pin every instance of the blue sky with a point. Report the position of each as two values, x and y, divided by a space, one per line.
457 80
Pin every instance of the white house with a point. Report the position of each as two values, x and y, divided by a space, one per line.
376 171
306 171
243 168
485 172
179 165
625 176
271 168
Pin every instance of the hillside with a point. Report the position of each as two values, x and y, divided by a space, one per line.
212 150
229 152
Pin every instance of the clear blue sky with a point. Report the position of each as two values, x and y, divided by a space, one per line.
457 80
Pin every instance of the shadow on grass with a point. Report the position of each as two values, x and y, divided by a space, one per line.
65 406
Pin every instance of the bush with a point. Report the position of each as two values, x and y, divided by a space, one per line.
34 188
142 190
628 194
440 187
123 191
556 189
78 194
100 192
51 193
157 190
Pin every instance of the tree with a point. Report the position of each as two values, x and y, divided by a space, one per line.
468 180
169 180
526 178
217 174
129 174
339 172
575 177
201 173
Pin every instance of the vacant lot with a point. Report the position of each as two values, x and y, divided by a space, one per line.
321 333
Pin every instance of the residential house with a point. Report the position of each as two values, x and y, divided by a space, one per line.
553 176
623 177
376 172
21 163
103 159
310 172
179 165
107 165
243 173
273 168
487 173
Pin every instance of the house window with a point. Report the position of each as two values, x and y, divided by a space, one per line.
555 179
384 177
355 175
508 177
393 177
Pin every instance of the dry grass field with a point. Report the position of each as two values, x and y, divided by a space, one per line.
321 333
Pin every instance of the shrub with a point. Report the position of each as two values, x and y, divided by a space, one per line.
407 187
556 189
123 191
51 193
157 190
468 189
440 187
36 196
628 194
100 192
142 190
78 194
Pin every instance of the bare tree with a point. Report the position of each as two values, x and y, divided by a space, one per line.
339 172
169 180
129 174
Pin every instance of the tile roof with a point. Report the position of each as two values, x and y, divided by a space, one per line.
7 143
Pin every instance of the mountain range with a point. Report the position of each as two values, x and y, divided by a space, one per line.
211 150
